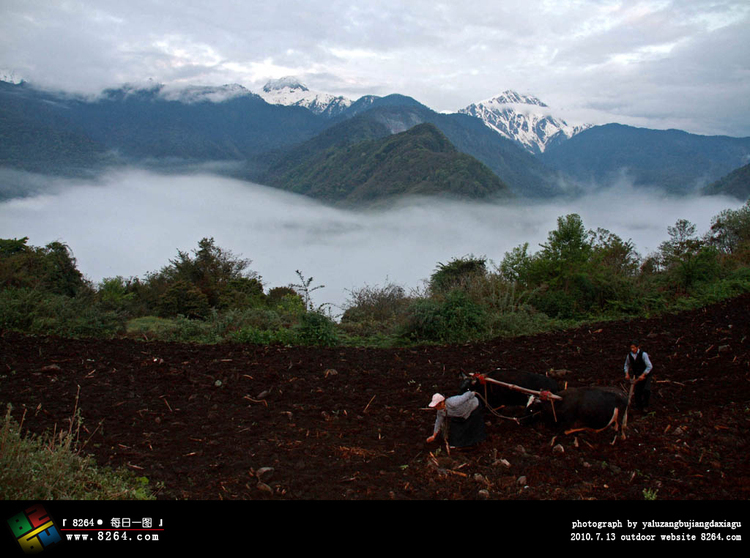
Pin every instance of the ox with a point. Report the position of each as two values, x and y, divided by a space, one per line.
588 409
498 396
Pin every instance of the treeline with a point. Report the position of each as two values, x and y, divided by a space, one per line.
208 295
211 295
577 275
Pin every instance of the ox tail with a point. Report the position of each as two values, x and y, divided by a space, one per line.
613 420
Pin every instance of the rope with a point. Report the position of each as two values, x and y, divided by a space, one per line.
482 380
491 410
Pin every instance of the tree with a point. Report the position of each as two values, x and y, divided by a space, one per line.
458 273
569 244
686 258
51 268
682 243
62 275
216 273
516 264
611 252
730 229
565 254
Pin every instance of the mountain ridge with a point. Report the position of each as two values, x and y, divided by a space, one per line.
524 119
674 160
417 162
148 123
289 91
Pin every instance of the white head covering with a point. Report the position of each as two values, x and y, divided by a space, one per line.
436 400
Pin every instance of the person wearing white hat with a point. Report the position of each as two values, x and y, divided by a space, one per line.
465 424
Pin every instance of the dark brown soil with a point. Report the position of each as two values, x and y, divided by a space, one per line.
347 423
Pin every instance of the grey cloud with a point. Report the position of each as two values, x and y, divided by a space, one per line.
445 54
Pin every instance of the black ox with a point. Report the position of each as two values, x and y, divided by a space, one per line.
498 396
587 409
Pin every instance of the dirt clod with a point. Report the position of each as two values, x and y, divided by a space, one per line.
360 432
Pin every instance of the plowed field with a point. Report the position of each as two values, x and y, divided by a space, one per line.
271 422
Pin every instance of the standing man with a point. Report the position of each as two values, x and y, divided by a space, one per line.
638 371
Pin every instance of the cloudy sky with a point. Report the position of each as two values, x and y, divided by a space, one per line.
659 64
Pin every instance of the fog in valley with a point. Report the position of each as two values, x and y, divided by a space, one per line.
130 222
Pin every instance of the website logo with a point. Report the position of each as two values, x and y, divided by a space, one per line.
34 529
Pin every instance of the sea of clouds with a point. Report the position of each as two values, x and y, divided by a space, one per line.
130 222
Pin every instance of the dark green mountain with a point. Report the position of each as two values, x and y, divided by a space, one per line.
42 129
38 135
671 160
525 175
369 102
54 133
420 161
736 183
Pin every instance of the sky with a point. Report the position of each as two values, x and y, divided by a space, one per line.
659 64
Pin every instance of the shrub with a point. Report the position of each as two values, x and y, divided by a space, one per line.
51 268
523 321
458 273
315 328
183 298
33 311
257 336
453 319
556 304
376 304
55 468
277 294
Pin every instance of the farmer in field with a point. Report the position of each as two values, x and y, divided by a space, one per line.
460 418
638 371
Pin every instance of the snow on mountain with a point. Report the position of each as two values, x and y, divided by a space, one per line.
523 119
201 94
9 76
289 91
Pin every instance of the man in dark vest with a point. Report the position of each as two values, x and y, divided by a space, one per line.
638 370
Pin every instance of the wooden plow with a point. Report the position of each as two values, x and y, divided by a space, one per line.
543 395
551 397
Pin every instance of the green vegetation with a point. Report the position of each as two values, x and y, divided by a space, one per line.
420 161
736 183
675 160
576 276
209 295
54 467
649 494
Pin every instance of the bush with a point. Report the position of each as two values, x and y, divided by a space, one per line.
51 269
276 295
381 307
456 274
33 311
255 336
316 328
183 298
454 319
54 468
523 321
556 304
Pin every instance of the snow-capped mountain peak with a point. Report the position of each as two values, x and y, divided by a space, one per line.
9 76
200 94
289 91
288 82
510 97
523 119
